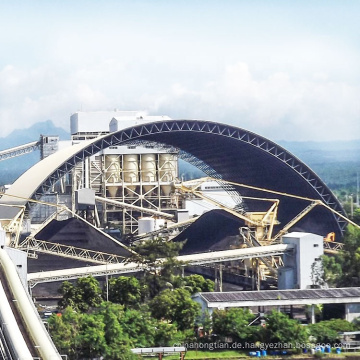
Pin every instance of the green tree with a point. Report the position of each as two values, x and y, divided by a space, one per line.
165 334
97 334
234 323
89 291
281 329
85 294
196 283
207 323
356 217
343 269
92 336
332 270
69 296
117 341
328 331
139 326
64 330
158 259
125 290
175 306
349 258
150 251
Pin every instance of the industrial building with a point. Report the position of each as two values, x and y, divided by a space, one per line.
138 175
118 177
119 174
257 169
350 297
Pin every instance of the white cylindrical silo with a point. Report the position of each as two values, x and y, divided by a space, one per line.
167 167
112 168
148 170
148 167
112 173
131 168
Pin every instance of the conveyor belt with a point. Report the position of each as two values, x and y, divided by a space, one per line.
19 150
16 313
20 304
194 259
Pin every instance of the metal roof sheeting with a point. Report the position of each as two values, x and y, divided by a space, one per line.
280 295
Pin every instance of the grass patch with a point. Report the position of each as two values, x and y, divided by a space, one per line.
233 354
215 354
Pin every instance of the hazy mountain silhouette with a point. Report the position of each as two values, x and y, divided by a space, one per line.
11 169
325 158
315 152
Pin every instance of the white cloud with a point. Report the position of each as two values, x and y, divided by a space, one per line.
276 106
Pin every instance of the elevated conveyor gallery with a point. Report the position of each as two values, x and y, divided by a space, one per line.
15 343
30 339
19 150
222 151
123 268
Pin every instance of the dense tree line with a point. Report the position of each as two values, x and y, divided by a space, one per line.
157 309
127 312
110 331
278 328
91 327
343 269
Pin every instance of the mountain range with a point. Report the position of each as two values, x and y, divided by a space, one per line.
11 169
336 162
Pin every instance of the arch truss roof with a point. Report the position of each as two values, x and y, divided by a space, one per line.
220 150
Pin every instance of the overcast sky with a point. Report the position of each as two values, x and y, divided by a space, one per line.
283 69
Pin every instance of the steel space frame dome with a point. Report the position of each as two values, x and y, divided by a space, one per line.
222 151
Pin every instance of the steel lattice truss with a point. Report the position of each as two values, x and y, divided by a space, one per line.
19 150
184 134
194 259
332 247
46 247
